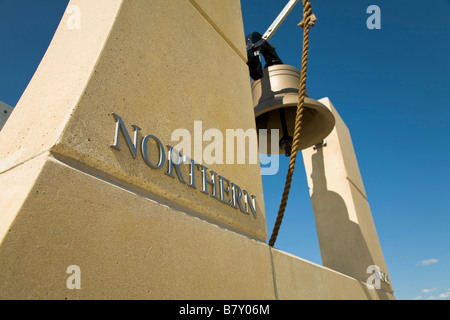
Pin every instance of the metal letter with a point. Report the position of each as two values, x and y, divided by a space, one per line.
206 181
144 147
223 190
237 195
121 127
250 202
192 164
172 164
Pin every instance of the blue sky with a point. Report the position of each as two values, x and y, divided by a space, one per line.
391 88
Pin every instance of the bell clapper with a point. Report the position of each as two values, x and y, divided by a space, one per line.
286 140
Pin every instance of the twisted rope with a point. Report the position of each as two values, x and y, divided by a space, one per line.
308 21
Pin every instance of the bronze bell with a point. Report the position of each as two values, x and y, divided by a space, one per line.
275 98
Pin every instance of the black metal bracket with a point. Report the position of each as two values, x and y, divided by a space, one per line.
256 45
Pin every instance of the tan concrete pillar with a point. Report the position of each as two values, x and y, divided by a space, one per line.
85 172
347 236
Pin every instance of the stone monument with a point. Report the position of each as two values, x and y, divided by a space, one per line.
97 204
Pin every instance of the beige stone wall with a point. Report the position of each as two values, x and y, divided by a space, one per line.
69 198
161 66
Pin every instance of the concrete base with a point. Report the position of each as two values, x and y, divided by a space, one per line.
129 246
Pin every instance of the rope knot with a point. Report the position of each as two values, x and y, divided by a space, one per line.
309 20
